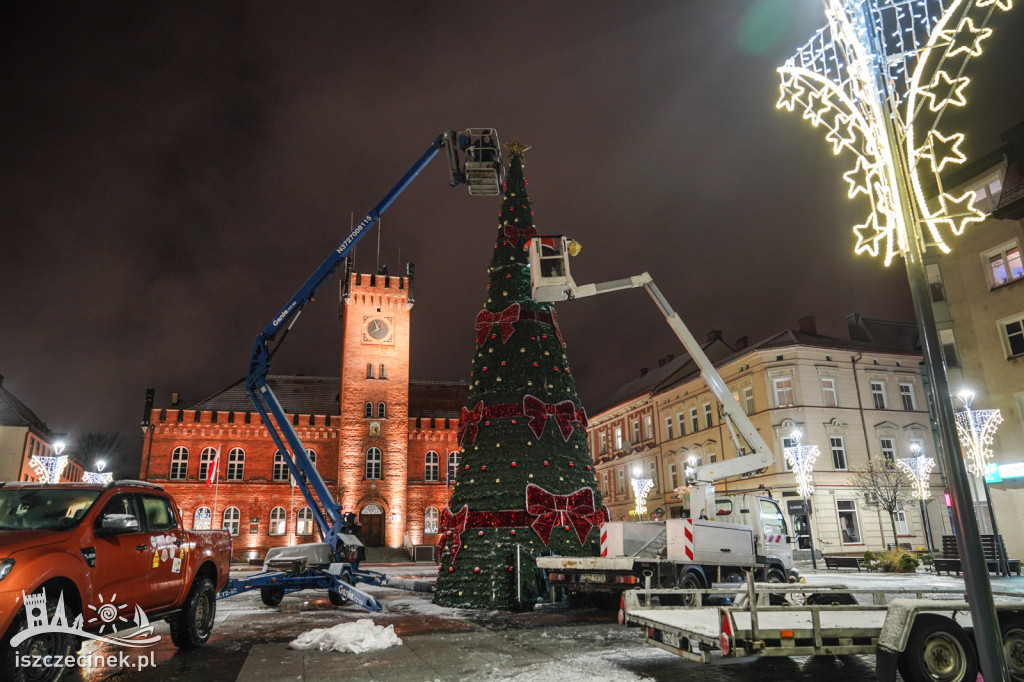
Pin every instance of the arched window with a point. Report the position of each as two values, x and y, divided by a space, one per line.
231 517
236 464
278 521
201 519
382 374
373 463
312 457
369 371
280 468
381 411
304 522
179 463
430 467
430 520
205 460
453 463
368 410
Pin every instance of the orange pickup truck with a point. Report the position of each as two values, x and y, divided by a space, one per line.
104 556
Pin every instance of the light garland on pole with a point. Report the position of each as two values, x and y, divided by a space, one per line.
977 429
641 487
919 469
49 469
801 459
879 77
834 81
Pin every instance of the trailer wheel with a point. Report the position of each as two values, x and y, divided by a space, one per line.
938 651
271 596
691 581
1012 627
337 598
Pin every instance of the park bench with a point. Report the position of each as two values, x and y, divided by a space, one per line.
843 562
949 562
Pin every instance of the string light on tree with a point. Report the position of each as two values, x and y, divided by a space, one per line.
834 81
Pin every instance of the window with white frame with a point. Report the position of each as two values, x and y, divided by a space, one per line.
787 442
1013 335
311 454
382 411
748 400
707 416
430 518
280 468
888 449
648 427
373 459
620 484
368 410
205 460
369 371
179 463
230 521
278 521
907 396
935 284
849 525
383 374
878 394
430 467
605 490
673 475
694 424
902 527
829 395
783 389
838 448
453 462
304 521
986 193
236 464
917 447
201 519
669 428
947 339
617 435
1004 264
636 431
681 423
652 472
602 439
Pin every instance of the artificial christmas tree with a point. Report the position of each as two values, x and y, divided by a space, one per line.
525 483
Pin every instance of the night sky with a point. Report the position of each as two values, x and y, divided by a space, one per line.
171 173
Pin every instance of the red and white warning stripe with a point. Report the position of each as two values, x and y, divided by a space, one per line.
688 539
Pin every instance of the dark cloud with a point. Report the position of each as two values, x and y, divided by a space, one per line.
172 173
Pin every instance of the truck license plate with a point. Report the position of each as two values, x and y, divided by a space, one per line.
592 577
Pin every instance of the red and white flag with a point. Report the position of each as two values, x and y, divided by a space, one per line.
211 473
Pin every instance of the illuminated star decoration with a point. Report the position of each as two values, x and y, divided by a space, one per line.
977 431
97 477
911 56
49 469
516 148
642 486
919 469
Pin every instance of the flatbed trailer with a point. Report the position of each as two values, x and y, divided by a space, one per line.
924 634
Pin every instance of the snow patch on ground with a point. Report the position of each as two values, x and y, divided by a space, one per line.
594 666
357 637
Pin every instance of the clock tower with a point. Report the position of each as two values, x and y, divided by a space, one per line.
374 402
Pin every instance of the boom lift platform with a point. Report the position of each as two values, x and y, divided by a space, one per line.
333 563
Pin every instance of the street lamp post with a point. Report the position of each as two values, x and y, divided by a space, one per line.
977 429
641 486
879 77
801 460
919 468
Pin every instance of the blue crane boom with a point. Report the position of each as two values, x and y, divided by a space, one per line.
483 174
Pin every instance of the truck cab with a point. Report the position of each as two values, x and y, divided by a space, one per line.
764 514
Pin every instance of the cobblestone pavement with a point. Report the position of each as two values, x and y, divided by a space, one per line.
551 643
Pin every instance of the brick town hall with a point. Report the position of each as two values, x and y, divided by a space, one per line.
381 442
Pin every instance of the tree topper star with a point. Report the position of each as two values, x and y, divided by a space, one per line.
516 148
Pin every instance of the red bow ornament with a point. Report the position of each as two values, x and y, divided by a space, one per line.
452 526
485 320
538 411
470 421
576 510
513 234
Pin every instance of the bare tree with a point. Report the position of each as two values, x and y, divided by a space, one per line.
94 446
883 486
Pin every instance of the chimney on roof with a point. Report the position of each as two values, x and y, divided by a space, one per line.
148 409
643 371
671 357
807 325
661 362
174 398
713 335
741 343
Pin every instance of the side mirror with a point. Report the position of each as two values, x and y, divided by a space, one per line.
118 523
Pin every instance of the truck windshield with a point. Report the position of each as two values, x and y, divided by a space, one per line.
44 508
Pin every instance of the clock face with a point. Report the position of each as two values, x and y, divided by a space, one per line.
377 329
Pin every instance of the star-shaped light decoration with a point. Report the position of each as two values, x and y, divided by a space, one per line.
516 148
885 71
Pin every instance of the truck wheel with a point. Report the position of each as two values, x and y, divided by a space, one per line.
337 598
777 577
191 627
271 596
691 581
1012 630
56 644
938 651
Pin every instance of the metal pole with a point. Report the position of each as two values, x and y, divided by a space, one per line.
810 534
927 527
1004 566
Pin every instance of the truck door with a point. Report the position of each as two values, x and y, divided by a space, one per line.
774 529
168 550
121 565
